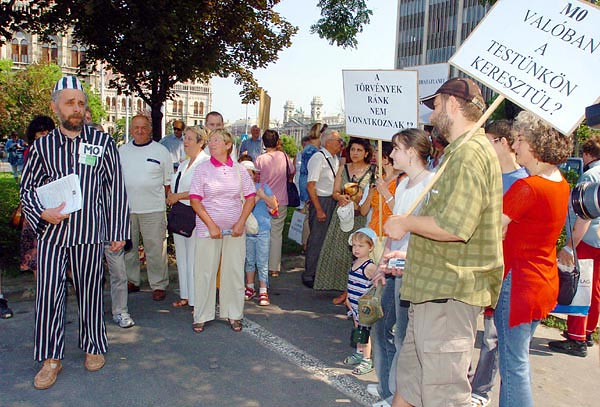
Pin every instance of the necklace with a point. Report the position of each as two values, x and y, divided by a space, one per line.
414 180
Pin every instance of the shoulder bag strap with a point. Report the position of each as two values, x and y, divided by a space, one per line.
287 166
576 261
241 185
327 159
177 181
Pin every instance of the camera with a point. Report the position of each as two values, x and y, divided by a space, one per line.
396 263
585 199
360 334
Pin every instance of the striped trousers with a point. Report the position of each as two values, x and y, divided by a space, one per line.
85 263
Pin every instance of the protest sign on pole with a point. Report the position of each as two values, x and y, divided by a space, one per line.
380 103
431 77
541 54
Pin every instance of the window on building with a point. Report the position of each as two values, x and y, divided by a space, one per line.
201 110
24 51
107 103
113 103
195 108
123 104
74 56
180 109
15 50
53 53
82 54
174 107
19 50
139 106
45 52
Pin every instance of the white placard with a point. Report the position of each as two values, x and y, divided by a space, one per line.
541 54
431 77
380 103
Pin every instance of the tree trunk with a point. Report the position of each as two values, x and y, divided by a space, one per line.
156 121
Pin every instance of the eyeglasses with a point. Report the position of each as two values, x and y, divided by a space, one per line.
177 129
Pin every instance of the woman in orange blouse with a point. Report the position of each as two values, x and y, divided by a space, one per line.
385 186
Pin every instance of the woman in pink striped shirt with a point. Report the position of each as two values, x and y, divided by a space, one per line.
215 192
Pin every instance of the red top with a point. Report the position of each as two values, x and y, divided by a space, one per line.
538 209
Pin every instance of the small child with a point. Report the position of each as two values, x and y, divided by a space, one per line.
359 282
257 246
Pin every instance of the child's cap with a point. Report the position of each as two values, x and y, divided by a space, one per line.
250 166
367 231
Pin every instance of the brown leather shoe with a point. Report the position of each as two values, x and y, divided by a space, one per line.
46 377
132 288
94 362
159 295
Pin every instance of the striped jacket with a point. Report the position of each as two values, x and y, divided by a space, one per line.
104 215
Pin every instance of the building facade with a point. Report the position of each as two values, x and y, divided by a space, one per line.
430 31
297 124
191 102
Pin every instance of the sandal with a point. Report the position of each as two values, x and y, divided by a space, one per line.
365 366
181 303
198 327
235 325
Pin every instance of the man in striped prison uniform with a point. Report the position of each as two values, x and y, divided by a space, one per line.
73 241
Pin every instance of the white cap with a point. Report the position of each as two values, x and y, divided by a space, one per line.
346 215
249 166
68 82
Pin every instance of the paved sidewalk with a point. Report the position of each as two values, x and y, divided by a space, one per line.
289 354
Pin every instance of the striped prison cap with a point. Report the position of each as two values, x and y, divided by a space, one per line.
68 82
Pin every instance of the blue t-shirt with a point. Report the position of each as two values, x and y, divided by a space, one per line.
509 178
308 152
261 212
254 147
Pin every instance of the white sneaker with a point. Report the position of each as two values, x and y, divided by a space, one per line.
381 403
479 401
123 320
373 390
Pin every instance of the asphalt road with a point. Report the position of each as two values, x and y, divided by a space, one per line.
289 354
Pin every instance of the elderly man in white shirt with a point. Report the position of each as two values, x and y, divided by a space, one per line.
147 169
322 167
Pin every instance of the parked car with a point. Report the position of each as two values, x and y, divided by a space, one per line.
572 169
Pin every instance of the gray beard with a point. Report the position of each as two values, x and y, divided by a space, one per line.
70 126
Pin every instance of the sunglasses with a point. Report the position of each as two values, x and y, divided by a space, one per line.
177 129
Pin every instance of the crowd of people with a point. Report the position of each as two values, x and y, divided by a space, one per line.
483 238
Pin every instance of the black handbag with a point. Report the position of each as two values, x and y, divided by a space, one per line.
292 190
568 280
182 218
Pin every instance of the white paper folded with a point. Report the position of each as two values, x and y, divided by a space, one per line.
65 189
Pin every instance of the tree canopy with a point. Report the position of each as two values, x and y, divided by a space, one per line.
341 21
26 93
153 44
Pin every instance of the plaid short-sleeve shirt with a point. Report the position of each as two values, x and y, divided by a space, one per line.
467 202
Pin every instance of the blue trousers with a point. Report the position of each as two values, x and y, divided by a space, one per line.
513 348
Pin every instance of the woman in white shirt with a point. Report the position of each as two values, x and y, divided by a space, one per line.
411 149
194 141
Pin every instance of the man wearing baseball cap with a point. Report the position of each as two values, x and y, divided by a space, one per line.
73 241
454 259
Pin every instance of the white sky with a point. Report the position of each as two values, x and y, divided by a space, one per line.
312 67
